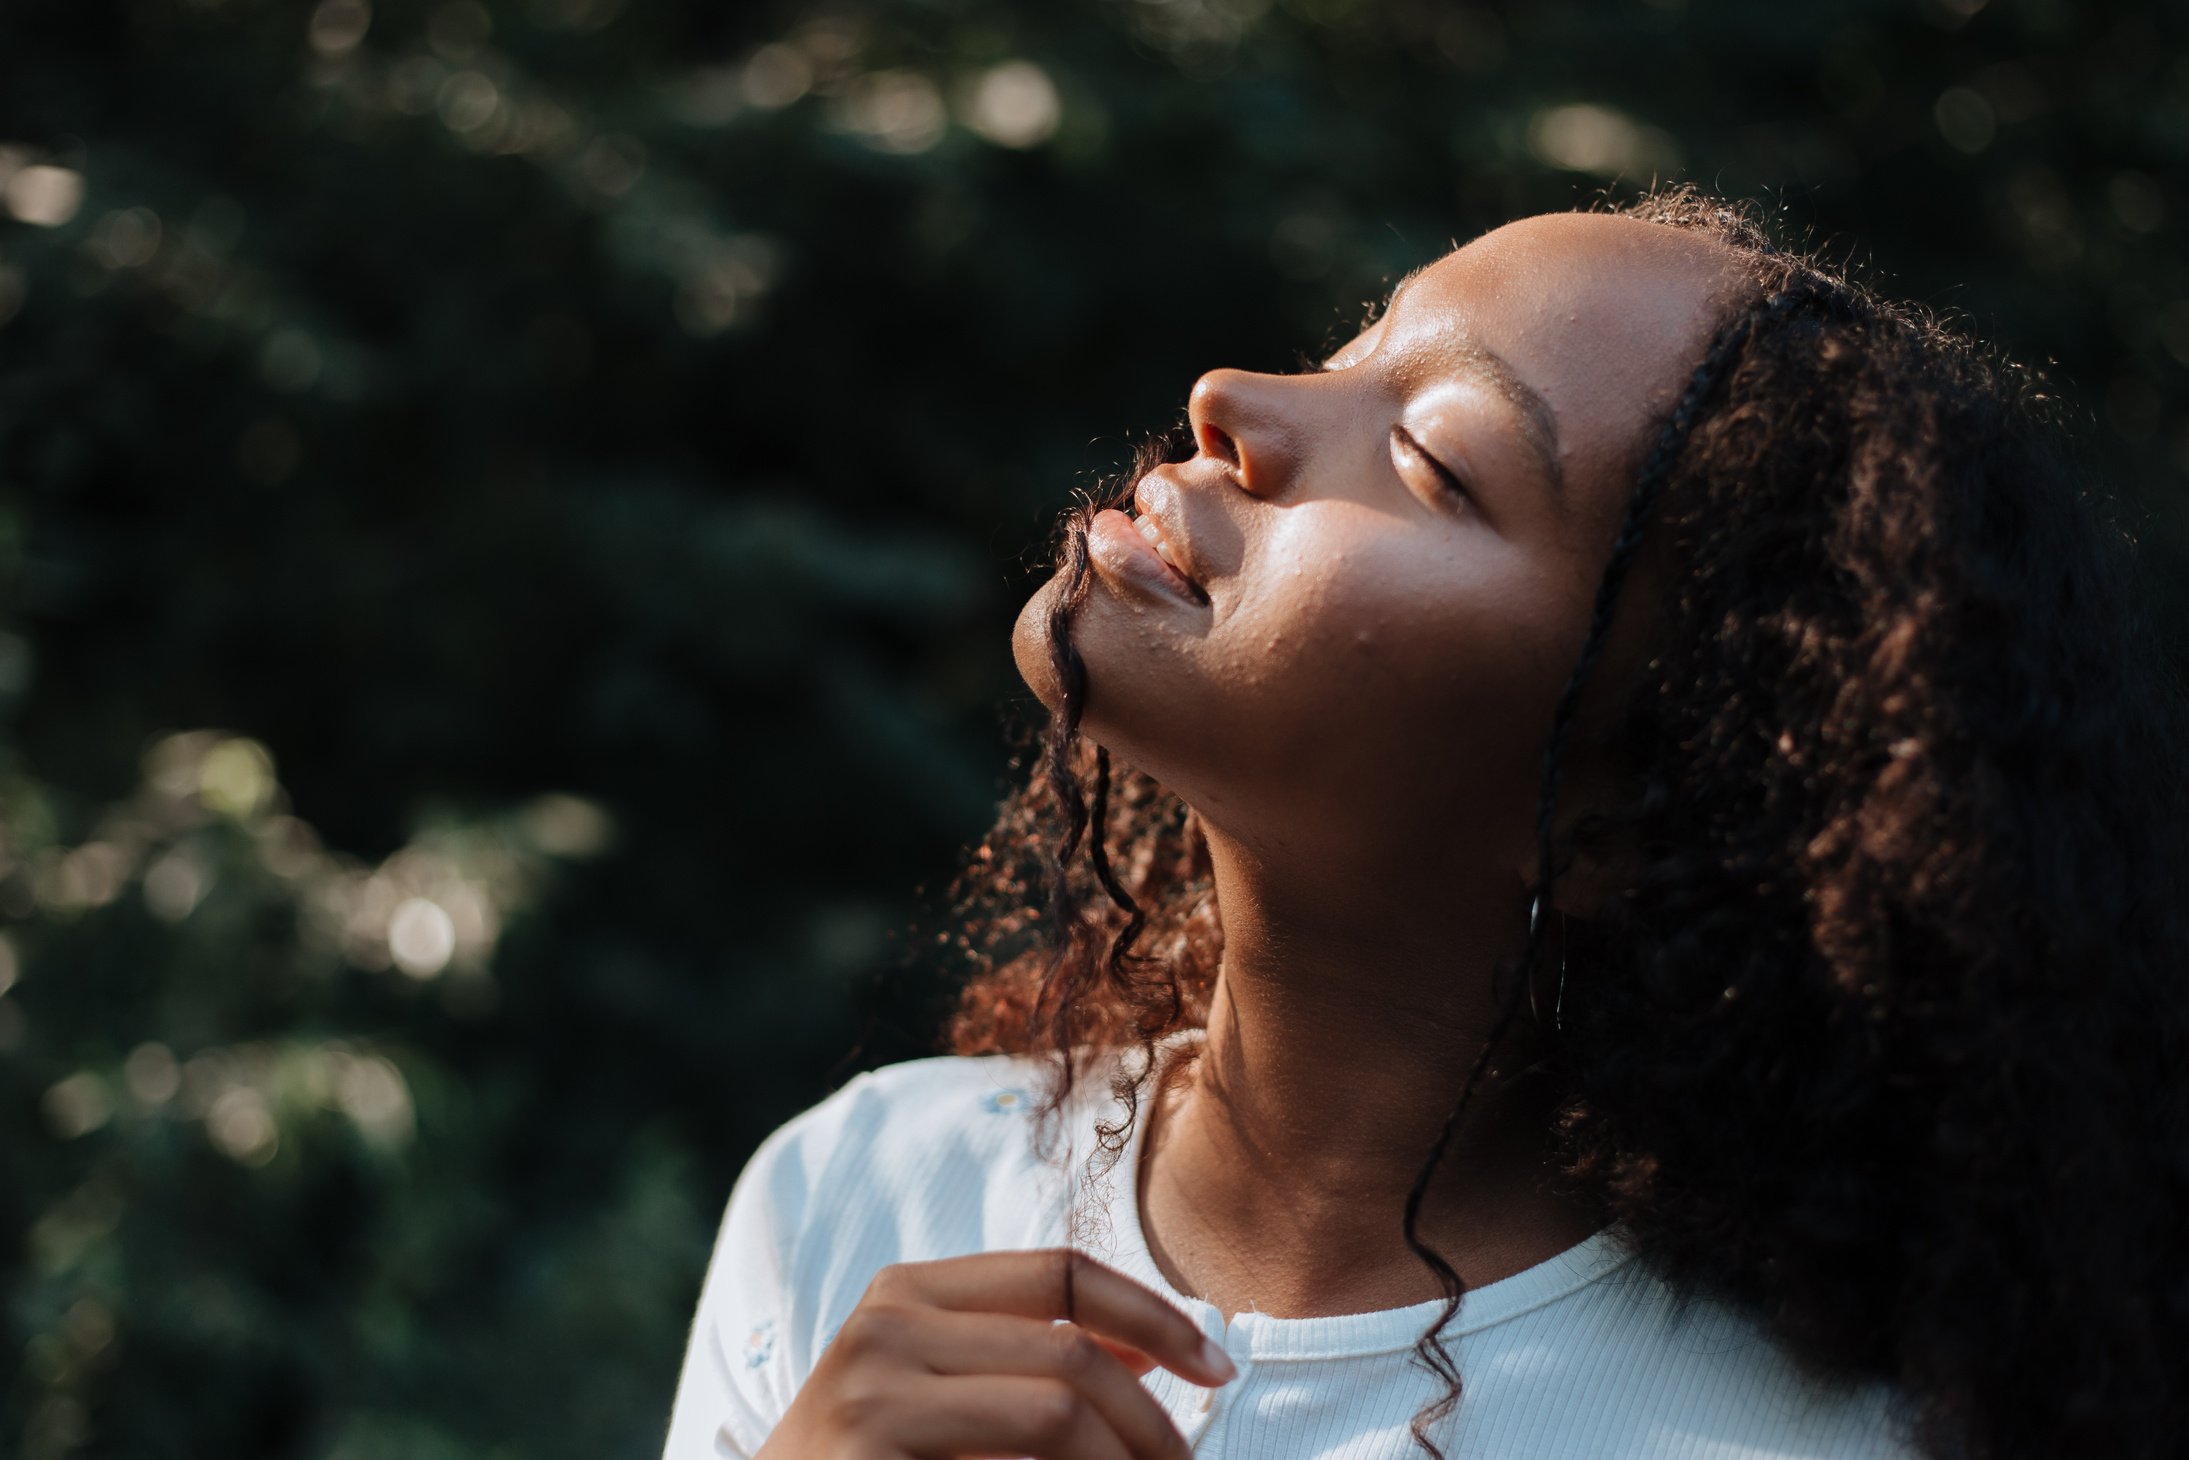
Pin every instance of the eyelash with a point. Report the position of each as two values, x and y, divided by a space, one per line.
1444 473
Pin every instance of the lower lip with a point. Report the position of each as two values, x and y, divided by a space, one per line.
1122 555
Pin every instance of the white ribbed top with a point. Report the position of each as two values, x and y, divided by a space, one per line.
1587 1356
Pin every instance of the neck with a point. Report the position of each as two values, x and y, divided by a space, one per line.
1347 1015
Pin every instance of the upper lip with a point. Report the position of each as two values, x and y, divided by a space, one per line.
1156 501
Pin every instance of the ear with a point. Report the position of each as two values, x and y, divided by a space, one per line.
1596 861
1595 872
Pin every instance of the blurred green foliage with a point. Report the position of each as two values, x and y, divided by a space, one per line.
581 458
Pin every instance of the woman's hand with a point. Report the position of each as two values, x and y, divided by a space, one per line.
965 1357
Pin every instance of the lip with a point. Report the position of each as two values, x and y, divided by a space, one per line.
1156 499
1122 555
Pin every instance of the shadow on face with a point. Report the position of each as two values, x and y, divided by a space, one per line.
1343 624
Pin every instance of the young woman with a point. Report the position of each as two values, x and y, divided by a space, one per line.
1643 920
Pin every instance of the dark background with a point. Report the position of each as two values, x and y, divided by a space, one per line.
510 515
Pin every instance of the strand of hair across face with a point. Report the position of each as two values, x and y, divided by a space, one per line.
1136 918
1148 1023
1063 732
1066 975
1057 994
1702 384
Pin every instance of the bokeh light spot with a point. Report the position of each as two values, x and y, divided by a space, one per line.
421 937
2137 200
289 360
151 1074
712 96
127 238
374 1095
44 195
1584 137
338 26
1965 119
77 1105
777 75
414 84
467 101
893 111
175 884
612 165
567 826
242 1128
236 778
1015 105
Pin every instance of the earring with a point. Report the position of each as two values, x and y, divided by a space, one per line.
1558 1008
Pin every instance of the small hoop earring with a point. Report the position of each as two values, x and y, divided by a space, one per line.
1558 1007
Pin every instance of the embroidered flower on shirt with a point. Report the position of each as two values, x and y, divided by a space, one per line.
1003 1102
760 1343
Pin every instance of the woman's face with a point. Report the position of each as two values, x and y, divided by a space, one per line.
1384 569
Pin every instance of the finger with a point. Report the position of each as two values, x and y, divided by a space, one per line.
1047 1419
1130 1357
988 1343
1057 1282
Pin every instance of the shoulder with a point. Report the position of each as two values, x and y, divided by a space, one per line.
926 1159
904 1127
948 1097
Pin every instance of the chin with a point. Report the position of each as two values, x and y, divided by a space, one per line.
1115 704
1030 648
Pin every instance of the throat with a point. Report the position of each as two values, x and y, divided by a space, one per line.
1248 1226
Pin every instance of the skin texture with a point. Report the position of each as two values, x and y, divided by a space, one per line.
998 1353
1353 690
1875 1013
1355 701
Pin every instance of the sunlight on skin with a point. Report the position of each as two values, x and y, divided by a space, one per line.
1395 560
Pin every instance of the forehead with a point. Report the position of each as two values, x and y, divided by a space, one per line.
1603 316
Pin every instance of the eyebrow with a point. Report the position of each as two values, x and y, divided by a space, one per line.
1538 426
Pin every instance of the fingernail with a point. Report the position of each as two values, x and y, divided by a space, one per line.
1217 1362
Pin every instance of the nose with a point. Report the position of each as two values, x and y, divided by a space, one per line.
1240 419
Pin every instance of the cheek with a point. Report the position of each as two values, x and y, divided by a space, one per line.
1409 670
1365 683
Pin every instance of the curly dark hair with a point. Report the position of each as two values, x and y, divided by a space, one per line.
1883 1038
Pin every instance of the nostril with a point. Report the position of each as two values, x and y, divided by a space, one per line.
1217 444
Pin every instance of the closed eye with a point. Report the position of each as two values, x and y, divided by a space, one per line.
1414 448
